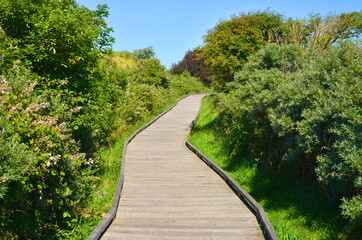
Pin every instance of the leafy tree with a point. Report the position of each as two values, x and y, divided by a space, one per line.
56 38
321 33
145 53
194 65
105 40
228 45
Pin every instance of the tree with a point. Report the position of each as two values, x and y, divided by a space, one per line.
228 45
321 33
194 65
59 39
105 40
145 53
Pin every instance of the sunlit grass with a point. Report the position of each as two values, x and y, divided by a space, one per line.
297 210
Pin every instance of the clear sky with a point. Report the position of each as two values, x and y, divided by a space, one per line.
174 27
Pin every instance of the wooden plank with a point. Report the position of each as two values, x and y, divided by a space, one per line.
168 193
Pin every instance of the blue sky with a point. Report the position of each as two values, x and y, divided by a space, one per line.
174 27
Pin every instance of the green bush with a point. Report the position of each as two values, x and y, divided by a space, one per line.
299 112
321 33
16 161
228 45
150 71
51 184
185 84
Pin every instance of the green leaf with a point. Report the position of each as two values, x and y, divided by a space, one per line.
66 214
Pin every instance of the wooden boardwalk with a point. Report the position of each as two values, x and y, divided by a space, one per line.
169 193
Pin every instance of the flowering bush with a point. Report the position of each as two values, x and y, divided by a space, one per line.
54 118
44 177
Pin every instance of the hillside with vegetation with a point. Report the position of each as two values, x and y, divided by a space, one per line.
67 101
285 117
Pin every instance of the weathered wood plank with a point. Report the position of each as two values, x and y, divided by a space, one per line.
168 193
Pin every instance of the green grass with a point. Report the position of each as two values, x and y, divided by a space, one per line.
297 210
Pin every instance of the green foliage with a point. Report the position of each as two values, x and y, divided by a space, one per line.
104 40
61 100
145 53
228 45
13 155
352 209
185 84
321 33
54 177
56 38
296 209
299 112
150 71
194 65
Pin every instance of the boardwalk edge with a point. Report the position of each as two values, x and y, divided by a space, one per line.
241 193
101 228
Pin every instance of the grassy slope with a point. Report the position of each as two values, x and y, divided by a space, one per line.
296 210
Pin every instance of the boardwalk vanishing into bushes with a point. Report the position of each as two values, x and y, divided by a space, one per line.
169 193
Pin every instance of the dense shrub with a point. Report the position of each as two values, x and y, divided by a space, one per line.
185 84
299 112
150 71
41 194
194 65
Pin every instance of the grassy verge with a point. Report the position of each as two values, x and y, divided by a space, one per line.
297 210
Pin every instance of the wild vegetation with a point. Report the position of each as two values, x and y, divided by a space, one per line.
297 209
287 105
64 96
194 65
287 96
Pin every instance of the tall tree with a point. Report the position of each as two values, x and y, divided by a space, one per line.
228 45
194 65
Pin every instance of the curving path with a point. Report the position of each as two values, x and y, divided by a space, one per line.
169 193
